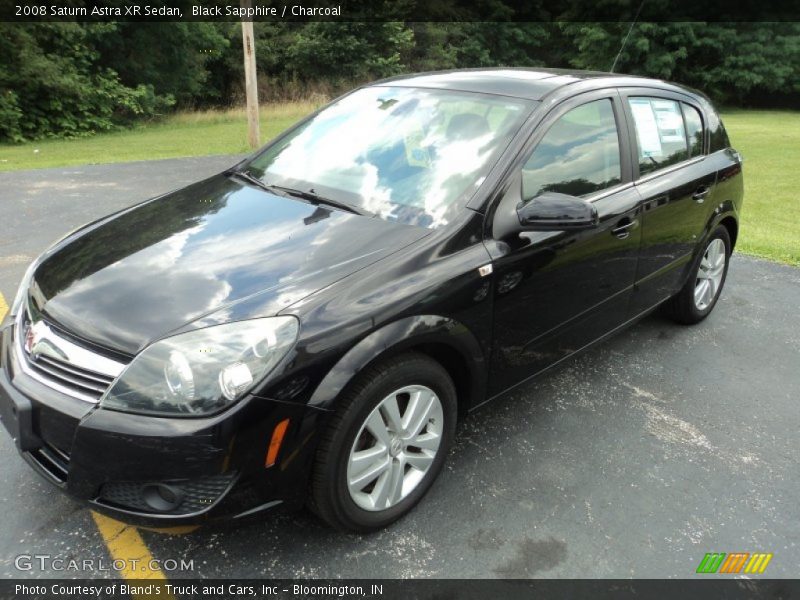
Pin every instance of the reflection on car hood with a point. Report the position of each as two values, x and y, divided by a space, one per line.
170 261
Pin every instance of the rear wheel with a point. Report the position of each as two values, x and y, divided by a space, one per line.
385 445
698 297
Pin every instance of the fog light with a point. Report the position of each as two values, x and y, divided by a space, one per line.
177 497
162 497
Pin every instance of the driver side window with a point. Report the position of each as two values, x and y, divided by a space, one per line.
578 156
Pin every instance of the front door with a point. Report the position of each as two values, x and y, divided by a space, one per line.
557 291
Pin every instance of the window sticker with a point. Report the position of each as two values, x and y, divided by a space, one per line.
417 155
669 120
646 127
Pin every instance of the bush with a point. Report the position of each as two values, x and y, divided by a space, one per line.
10 117
52 86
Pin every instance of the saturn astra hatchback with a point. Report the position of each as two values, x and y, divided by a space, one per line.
306 327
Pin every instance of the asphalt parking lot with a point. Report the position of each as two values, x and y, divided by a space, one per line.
632 460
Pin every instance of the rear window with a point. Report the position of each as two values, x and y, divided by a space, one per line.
719 137
694 129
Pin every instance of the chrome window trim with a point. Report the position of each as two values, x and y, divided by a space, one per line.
670 169
600 194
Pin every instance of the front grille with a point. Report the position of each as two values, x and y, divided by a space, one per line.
197 494
83 381
61 364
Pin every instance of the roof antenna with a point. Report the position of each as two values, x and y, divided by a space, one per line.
625 41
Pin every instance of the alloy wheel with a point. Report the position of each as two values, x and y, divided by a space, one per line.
709 274
395 447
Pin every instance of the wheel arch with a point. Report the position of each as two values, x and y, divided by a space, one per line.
732 225
724 214
445 340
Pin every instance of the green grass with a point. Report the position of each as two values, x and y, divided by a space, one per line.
182 134
768 140
770 144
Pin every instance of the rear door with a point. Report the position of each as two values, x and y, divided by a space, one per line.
676 184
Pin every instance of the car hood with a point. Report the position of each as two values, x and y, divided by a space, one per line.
127 281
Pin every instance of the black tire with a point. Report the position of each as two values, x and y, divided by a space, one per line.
330 498
682 307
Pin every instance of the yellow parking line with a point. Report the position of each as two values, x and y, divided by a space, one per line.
126 546
3 307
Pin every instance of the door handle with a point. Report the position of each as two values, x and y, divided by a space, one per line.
623 228
701 193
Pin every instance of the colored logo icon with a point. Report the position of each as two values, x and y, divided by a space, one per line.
735 562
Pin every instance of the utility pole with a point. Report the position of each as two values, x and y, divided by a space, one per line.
250 81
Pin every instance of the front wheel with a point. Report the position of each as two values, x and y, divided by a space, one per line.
698 297
385 445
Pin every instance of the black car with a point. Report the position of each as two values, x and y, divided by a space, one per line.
307 327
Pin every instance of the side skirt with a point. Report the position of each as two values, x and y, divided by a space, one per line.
602 338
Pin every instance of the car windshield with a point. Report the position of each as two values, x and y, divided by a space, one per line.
405 154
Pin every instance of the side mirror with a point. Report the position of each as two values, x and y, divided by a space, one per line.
551 211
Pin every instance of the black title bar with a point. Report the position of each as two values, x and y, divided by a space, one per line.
402 10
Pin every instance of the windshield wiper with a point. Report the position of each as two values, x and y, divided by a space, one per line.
310 195
250 178
315 198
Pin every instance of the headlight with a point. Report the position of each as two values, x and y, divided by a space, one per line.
202 371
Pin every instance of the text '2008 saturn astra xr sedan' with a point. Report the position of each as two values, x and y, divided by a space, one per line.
306 327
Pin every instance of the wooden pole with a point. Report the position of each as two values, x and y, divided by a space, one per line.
250 81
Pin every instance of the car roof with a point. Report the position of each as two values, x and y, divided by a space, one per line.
529 83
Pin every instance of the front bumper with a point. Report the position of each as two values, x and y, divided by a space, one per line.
157 471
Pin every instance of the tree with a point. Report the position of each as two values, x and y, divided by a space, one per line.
348 51
51 83
68 79
735 63
172 57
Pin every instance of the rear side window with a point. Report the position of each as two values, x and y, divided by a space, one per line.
660 132
694 129
719 138
579 155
